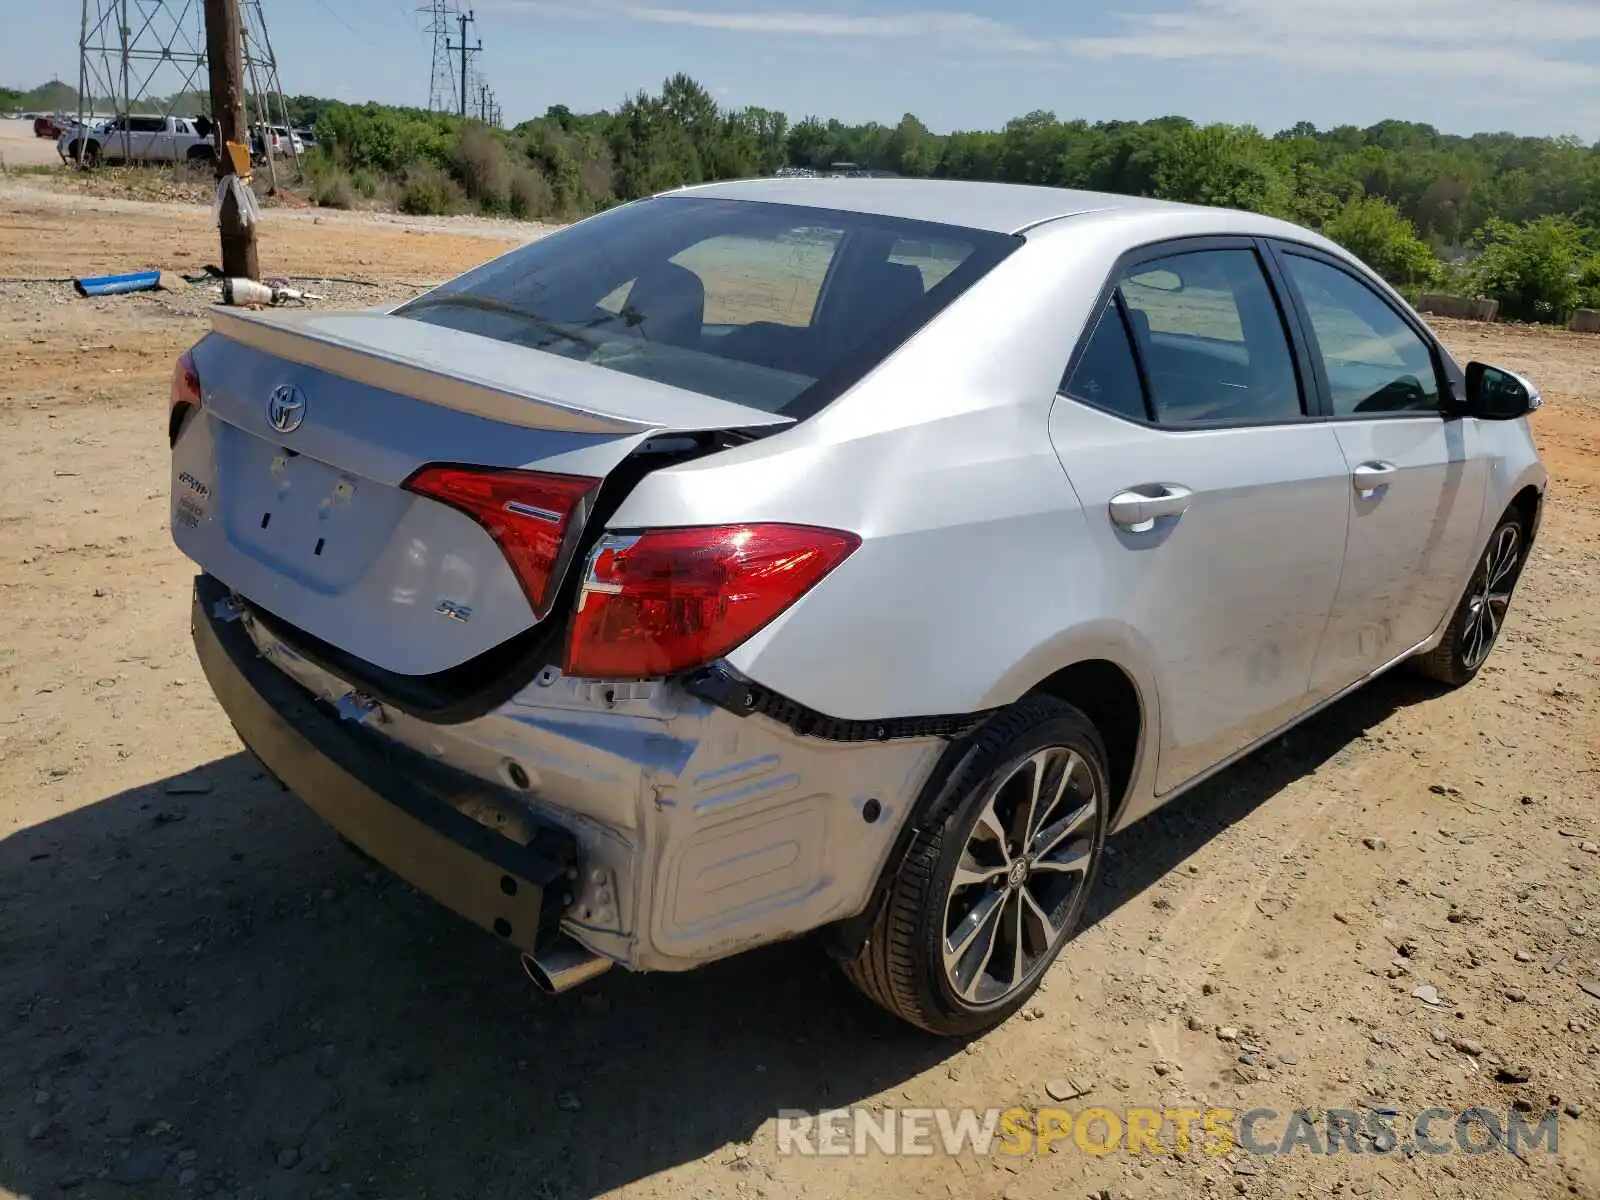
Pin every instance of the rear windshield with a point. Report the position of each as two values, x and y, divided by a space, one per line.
767 305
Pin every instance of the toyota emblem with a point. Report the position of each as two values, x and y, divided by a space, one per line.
286 408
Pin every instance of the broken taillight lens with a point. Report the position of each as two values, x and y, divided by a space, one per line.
669 599
530 515
185 396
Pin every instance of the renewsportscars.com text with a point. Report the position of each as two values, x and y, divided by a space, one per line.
1101 1131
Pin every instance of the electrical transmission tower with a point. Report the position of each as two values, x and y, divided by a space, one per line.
488 105
455 85
442 87
264 87
144 54
150 56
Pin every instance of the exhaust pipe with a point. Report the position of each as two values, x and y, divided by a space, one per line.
563 964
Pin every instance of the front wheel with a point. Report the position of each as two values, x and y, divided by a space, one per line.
1481 614
996 876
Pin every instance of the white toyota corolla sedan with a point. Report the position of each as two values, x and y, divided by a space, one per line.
848 556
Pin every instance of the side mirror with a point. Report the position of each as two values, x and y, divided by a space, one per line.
1495 394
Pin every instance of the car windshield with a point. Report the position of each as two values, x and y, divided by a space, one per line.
772 306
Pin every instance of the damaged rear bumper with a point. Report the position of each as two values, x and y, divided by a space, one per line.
698 832
405 812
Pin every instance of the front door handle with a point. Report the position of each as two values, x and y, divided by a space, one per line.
1139 508
1370 476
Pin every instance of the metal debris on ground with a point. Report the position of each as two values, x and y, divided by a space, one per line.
116 285
246 293
134 281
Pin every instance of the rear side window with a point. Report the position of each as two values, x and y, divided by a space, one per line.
1106 374
773 306
1211 337
1375 361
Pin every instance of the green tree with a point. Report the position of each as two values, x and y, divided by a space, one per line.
969 155
1449 188
1532 269
1375 232
810 144
1589 284
1223 166
771 133
911 149
654 151
385 139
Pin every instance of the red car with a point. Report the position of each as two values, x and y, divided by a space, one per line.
51 127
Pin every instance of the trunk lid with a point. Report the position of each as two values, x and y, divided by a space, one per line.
287 484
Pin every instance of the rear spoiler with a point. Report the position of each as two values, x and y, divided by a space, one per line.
516 385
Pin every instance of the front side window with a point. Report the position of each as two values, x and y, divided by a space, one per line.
745 301
1375 361
1211 337
147 124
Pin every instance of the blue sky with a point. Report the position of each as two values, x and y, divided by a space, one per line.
1532 66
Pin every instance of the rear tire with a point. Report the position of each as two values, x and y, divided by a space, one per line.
1481 613
994 882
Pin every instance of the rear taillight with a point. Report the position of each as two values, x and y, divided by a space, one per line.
534 518
669 599
185 396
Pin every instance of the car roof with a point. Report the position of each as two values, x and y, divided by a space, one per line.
997 207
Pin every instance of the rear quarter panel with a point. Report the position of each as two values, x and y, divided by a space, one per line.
976 578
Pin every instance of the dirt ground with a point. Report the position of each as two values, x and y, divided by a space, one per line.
20 148
201 993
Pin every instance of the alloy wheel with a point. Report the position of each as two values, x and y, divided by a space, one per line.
1490 596
1020 876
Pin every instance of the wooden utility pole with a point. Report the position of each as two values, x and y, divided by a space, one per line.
463 20
226 60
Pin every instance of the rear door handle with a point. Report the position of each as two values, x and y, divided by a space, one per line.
1139 508
1370 476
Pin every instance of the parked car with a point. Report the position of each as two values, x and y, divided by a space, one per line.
53 125
138 139
275 140
839 556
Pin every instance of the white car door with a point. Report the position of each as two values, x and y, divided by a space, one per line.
1418 479
1217 502
117 140
146 138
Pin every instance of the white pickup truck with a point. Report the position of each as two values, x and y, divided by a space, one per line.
140 139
